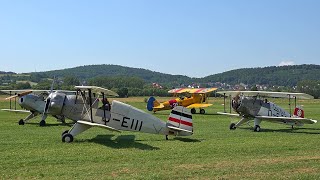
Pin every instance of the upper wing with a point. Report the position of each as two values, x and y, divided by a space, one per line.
199 105
97 90
13 110
267 94
280 119
228 114
192 90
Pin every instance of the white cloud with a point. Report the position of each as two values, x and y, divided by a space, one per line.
286 63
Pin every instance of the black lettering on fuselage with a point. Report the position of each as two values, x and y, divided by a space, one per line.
124 122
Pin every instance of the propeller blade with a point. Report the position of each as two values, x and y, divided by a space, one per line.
19 95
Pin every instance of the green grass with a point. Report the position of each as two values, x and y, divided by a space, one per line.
213 152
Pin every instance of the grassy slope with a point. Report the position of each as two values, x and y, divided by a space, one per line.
214 151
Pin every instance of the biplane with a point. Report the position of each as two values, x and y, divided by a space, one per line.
254 105
121 116
196 98
34 102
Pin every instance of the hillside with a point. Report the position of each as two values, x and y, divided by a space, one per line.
91 71
273 75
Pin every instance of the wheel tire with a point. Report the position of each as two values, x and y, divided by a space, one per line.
68 138
42 123
256 128
232 126
65 132
202 111
21 122
193 111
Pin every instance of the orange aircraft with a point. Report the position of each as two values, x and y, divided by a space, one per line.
197 99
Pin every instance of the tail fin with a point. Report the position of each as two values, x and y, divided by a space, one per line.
180 120
298 112
152 102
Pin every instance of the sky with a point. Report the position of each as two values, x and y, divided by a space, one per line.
186 37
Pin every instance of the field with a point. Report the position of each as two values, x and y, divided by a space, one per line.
213 152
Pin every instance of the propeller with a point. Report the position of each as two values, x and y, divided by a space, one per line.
46 107
235 101
19 95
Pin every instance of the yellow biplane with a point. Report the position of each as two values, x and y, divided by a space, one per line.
196 98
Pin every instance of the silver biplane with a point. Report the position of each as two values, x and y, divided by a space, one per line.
36 102
249 105
120 116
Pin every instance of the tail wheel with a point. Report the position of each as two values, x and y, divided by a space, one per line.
256 128
21 122
42 123
232 126
193 111
202 111
67 138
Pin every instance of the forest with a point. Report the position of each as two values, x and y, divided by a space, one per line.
127 81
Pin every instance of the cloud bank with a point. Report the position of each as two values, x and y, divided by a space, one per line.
286 63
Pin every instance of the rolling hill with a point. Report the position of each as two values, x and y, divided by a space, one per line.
273 75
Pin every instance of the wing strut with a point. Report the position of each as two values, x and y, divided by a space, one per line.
224 102
90 104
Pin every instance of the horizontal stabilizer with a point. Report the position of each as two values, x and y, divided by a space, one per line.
17 111
228 114
199 105
98 125
179 129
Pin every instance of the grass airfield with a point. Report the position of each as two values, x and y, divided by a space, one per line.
213 152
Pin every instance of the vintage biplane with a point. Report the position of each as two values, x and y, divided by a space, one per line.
120 116
35 102
195 98
254 105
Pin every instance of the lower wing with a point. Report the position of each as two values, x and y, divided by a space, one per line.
17 111
199 105
281 119
228 114
98 125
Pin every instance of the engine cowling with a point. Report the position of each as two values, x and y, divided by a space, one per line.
56 103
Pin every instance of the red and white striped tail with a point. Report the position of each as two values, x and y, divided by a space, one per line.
181 117
298 112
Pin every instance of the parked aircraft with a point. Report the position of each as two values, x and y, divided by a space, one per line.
124 117
197 99
249 105
35 102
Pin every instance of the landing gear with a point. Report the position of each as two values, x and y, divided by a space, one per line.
193 111
167 137
42 123
21 122
256 128
202 111
67 138
232 126
64 132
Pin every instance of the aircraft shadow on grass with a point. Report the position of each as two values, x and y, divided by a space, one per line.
50 125
121 142
186 139
287 130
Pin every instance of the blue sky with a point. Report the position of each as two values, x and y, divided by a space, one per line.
188 37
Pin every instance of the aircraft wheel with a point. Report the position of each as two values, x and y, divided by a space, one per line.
42 123
193 111
233 126
67 138
257 128
21 122
202 111
65 132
